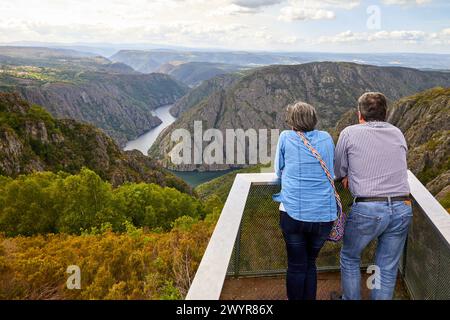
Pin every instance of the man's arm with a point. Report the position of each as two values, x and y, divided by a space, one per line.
341 157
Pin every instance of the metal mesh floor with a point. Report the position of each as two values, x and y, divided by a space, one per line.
274 288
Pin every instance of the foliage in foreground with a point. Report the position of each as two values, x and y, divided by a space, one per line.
130 265
41 203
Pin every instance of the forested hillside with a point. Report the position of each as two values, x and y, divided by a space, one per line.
258 99
32 140
424 120
112 96
130 240
203 91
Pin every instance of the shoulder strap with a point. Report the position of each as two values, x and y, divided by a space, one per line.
317 155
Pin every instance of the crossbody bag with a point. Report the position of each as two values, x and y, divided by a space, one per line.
337 232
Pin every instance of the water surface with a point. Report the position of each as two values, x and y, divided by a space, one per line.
145 141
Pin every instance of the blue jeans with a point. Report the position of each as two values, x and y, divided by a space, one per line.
303 243
367 221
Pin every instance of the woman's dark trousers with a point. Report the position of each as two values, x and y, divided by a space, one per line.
303 243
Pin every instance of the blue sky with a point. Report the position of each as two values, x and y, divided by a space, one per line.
281 25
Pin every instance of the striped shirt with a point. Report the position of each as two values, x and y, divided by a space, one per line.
373 157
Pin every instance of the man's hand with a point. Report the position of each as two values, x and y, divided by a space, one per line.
345 182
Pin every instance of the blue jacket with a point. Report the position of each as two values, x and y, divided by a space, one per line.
306 192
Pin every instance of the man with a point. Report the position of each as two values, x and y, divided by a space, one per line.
370 158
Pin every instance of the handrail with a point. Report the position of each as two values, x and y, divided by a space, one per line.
435 212
208 281
211 273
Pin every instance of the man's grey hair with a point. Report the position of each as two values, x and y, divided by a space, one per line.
373 106
301 116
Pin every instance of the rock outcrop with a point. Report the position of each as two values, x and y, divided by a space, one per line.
32 140
258 99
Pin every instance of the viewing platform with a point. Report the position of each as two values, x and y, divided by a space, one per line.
246 259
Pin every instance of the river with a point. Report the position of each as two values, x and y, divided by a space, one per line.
145 141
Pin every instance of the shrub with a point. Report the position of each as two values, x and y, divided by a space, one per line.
132 265
41 203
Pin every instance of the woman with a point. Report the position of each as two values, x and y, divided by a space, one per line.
307 201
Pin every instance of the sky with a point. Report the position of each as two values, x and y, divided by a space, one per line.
421 26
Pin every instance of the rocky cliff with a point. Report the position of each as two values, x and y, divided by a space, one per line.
203 91
424 119
70 84
32 140
258 99
120 104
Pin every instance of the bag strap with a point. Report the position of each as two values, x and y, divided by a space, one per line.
317 155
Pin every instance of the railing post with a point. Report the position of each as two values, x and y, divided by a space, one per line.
237 252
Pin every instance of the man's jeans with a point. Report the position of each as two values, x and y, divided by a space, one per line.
388 223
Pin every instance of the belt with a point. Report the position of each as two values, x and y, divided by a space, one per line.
382 199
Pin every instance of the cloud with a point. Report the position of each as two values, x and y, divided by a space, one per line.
230 24
237 7
314 9
296 13
441 38
446 32
406 2
232 9
408 36
256 3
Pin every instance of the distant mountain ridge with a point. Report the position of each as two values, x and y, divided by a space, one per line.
257 100
150 60
32 140
58 58
194 73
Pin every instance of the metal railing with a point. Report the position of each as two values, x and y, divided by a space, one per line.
247 241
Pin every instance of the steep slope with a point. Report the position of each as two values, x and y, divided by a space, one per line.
76 85
194 73
120 104
258 99
424 118
194 96
32 140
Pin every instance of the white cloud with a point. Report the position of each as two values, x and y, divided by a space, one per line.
232 9
256 3
314 9
230 24
297 13
406 2
410 36
446 32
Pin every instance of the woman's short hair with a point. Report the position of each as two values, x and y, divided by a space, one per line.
373 106
301 116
